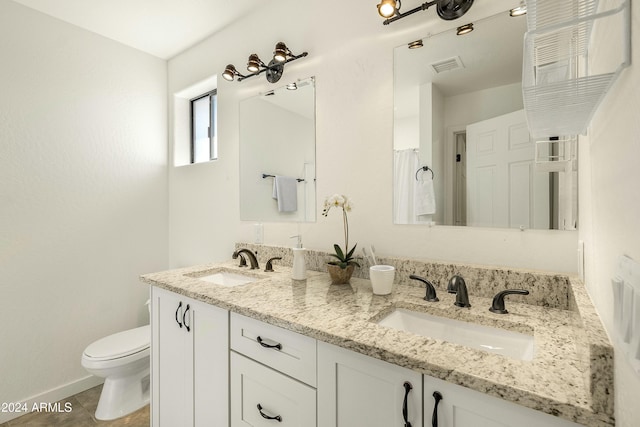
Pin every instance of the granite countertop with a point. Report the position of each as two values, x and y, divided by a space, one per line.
570 376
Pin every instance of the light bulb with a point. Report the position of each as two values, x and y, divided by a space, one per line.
254 63
387 8
464 29
280 54
229 73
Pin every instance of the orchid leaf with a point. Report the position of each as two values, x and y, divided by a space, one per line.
350 254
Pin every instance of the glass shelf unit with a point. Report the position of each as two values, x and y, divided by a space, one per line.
564 76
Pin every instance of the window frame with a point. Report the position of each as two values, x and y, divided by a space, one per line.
213 125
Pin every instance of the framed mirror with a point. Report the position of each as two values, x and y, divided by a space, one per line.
462 151
278 154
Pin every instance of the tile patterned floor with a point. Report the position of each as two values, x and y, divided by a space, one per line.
81 415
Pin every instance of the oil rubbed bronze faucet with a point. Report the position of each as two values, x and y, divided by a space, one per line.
252 257
243 261
459 287
269 265
431 290
497 305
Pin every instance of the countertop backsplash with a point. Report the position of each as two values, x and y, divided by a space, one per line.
545 289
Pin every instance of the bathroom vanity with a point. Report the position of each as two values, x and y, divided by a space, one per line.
240 347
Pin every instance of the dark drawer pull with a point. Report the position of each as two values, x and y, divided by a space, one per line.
184 318
177 310
405 410
434 418
277 417
265 345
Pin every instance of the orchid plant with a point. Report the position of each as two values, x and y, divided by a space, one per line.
344 257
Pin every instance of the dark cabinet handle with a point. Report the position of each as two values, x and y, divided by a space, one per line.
277 417
184 317
405 410
434 418
177 310
265 345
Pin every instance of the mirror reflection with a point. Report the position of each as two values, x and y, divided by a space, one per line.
462 150
278 154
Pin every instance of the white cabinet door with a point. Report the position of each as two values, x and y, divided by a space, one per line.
463 407
171 374
264 397
357 390
210 350
189 362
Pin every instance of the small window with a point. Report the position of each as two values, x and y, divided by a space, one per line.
204 140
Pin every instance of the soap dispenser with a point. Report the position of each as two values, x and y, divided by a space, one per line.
299 262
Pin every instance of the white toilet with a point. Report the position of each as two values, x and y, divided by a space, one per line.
122 359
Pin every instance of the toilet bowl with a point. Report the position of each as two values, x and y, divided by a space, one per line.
122 359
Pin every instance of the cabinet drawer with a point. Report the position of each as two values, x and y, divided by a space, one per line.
261 396
285 351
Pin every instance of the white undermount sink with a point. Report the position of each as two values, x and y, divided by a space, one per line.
493 340
228 278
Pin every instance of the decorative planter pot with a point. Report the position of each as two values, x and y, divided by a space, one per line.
340 276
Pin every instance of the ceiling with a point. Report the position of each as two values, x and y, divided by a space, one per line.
491 56
162 28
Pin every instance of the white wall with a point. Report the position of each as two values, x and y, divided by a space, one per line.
83 195
431 130
472 107
438 140
609 211
351 54
405 133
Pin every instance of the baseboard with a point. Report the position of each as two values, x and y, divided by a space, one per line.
51 396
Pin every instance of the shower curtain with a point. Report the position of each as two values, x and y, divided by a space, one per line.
406 163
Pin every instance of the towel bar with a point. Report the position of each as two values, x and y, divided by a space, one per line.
264 175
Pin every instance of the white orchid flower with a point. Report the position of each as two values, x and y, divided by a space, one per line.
345 256
335 201
348 204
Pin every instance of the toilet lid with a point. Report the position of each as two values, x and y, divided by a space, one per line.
120 344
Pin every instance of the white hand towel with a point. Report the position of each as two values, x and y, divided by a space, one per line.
424 197
285 191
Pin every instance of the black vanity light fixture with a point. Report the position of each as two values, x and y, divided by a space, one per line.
447 9
274 69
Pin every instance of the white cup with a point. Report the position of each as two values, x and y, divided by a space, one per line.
382 278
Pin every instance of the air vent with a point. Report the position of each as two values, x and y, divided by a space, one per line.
449 64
